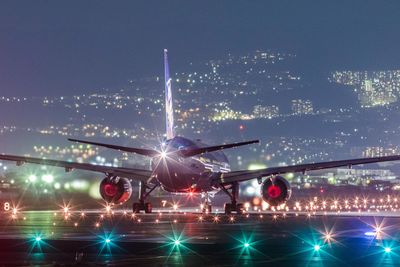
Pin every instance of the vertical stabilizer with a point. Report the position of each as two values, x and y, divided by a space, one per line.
169 110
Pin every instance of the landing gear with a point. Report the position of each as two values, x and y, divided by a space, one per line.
238 208
142 205
233 206
206 207
137 207
148 208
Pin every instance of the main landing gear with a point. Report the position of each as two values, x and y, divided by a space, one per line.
142 205
233 206
206 208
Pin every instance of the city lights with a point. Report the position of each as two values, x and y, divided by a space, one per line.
286 111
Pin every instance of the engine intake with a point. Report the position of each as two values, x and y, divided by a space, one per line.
115 190
276 190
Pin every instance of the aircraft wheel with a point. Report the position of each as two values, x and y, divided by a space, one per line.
228 208
207 208
239 208
148 208
136 207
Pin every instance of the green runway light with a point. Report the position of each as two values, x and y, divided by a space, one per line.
48 178
246 245
32 178
317 247
177 242
38 239
388 250
108 240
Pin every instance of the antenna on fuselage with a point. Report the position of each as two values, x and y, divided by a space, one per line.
169 109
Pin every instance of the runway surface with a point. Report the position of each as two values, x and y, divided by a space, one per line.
169 238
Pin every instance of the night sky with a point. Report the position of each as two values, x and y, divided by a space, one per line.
62 48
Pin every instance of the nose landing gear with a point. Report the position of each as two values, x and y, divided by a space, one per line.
206 206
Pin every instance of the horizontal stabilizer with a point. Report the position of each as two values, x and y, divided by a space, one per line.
188 152
141 151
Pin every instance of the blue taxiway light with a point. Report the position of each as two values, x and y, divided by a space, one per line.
388 250
370 233
317 247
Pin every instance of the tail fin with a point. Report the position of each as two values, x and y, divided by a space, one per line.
169 110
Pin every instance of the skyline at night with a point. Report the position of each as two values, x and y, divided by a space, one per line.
77 47
199 133
306 102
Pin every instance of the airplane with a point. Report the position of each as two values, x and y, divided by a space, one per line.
181 165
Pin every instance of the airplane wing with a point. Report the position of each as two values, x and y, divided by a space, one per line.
140 151
189 152
142 175
239 176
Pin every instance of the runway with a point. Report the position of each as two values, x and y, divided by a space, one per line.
168 237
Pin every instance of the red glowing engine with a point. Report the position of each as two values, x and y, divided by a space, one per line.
115 190
276 190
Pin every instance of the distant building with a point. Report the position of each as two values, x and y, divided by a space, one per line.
378 151
302 107
374 88
265 112
374 174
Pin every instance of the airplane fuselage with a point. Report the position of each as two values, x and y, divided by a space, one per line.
180 174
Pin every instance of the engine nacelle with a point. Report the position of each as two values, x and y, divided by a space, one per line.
276 190
115 190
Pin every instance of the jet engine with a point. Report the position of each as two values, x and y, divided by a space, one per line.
276 190
115 190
